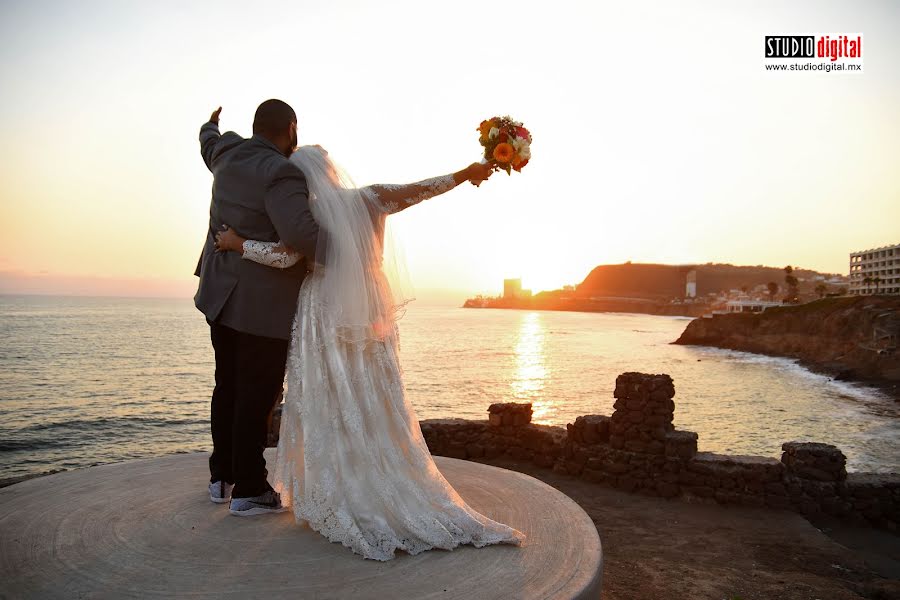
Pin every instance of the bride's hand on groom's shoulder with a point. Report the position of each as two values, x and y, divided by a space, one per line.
479 172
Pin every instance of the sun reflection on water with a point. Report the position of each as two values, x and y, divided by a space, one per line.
532 372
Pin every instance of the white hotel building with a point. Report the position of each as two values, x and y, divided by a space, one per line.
883 263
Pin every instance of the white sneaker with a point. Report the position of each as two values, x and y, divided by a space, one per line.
220 492
269 502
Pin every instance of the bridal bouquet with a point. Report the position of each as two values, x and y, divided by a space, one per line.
505 141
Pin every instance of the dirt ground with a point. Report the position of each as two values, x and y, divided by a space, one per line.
673 549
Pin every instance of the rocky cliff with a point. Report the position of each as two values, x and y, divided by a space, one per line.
852 338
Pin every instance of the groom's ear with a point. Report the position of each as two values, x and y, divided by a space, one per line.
293 135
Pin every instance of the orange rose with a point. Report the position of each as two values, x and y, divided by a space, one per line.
504 153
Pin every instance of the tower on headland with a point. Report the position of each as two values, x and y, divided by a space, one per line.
512 289
690 287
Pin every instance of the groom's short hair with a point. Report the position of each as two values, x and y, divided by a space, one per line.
273 117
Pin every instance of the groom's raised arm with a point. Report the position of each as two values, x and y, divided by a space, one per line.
209 139
287 204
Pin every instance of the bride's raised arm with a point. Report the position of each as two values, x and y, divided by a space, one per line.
392 198
384 198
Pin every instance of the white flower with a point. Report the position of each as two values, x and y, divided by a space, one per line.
522 148
494 132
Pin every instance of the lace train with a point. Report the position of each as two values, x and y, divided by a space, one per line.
351 459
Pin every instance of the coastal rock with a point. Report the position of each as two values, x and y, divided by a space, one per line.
853 337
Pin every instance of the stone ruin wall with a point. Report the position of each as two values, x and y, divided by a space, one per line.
638 449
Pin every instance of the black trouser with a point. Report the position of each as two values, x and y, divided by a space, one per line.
249 377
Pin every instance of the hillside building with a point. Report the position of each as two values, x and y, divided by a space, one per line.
875 271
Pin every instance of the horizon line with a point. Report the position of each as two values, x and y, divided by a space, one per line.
185 294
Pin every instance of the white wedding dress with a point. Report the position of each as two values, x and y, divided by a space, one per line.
351 459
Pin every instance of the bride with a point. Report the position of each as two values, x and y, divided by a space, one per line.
351 460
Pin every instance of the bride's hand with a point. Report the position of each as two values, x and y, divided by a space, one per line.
479 172
227 239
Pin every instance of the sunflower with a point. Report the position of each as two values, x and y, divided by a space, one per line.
504 153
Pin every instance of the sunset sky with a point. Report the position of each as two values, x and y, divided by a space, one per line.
658 134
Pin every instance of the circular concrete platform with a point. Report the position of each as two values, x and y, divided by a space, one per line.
147 529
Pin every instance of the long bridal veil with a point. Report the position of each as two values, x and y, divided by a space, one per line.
362 293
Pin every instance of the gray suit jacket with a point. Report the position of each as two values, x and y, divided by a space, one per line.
262 196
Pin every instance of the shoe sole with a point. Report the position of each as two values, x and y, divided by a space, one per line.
250 512
219 500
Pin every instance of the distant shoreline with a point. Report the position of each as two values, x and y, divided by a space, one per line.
611 305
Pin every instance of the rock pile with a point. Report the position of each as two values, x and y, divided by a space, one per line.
589 429
509 413
644 413
819 462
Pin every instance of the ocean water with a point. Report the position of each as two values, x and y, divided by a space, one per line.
87 381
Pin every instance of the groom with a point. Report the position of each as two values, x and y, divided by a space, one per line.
263 196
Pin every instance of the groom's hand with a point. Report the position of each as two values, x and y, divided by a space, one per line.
214 118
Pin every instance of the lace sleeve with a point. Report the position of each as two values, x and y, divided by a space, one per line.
270 254
392 198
